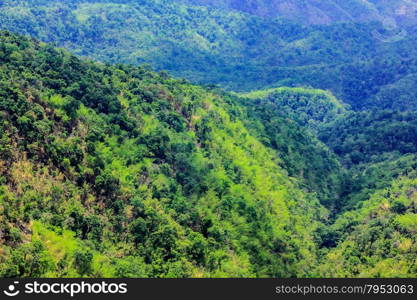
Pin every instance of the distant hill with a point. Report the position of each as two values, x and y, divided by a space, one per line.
237 51
322 11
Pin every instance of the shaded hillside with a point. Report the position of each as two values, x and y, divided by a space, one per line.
310 108
372 136
379 238
204 45
288 120
322 11
357 62
374 146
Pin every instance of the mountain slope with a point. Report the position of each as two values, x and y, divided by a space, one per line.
310 108
119 171
360 63
381 236
290 119
371 136
374 146
322 11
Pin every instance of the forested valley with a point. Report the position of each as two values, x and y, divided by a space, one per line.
180 139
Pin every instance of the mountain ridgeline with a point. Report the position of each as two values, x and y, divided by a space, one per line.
322 11
237 51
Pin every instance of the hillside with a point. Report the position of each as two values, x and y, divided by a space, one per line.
289 149
372 136
119 171
380 236
240 52
290 119
310 108
322 11
372 232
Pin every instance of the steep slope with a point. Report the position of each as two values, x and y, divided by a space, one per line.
381 236
399 95
374 146
290 119
119 171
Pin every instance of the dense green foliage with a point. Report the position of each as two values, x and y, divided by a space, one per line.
286 119
373 231
114 170
321 11
371 136
309 108
380 237
237 51
118 171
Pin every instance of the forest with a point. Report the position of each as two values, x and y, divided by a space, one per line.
203 141
236 51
